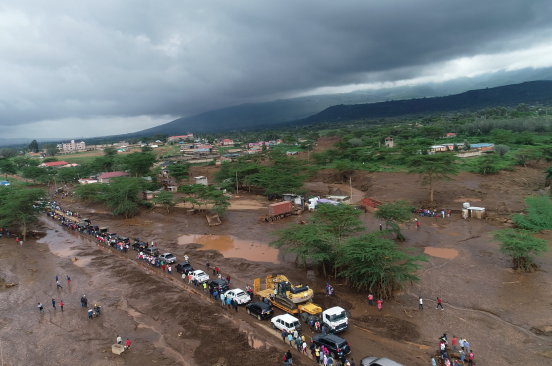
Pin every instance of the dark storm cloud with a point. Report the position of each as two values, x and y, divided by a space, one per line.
108 59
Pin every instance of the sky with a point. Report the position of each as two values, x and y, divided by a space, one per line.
94 68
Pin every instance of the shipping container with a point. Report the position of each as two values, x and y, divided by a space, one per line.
279 208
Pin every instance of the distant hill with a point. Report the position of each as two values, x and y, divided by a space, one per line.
272 114
509 95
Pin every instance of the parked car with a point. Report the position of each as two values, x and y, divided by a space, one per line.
94 228
199 276
140 246
239 295
124 239
374 361
218 285
334 344
151 251
260 309
168 258
287 322
184 268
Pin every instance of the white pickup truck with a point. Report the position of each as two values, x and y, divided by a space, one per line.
335 319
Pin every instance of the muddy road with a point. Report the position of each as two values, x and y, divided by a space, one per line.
505 316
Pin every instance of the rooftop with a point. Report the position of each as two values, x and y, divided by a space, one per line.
113 175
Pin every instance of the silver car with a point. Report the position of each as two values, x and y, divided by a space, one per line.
374 361
167 258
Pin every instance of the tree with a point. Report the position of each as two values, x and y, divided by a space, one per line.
355 142
138 163
164 199
52 151
33 172
467 145
17 206
433 167
344 168
284 175
110 151
7 167
8 152
395 214
104 163
33 146
538 214
528 153
501 150
178 171
146 149
377 264
89 192
340 220
121 195
548 173
488 164
202 195
521 246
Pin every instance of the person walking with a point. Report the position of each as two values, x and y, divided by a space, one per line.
90 313
417 224
439 304
295 334
235 305
380 306
119 339
40 307
381 227
370 299
163 267
58 284
215 295
317 354
461 343
421 307
17 242
470 358
61 304
466 346
298 344
284 335
210 292
205 287
290 338
207 265
189 278
217 269
305 348
228 280
68 280
128 344
54 304
169 269
222 299
229 302
57 278
289 357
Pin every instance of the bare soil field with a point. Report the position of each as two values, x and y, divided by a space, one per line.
504 315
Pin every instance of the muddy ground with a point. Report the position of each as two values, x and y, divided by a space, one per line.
505 316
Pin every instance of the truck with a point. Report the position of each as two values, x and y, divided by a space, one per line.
292 300
336 319
277 211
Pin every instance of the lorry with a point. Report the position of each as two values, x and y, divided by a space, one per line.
283 295
277 211
335 319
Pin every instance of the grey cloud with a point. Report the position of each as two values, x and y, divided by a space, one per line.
88 59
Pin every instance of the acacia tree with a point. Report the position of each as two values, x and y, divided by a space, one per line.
433 168
178 171
17 206
395 214
7 167
537 216
121 195
522 247
377 264
164 199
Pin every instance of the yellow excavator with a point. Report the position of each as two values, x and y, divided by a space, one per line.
282 294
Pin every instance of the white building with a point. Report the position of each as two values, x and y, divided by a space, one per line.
73 146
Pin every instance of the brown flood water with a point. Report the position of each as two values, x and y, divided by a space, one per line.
232 247
441 252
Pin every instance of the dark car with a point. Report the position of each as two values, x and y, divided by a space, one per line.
219 285
335 344
184 267
140 246
260 310
94 228
124 239
151 251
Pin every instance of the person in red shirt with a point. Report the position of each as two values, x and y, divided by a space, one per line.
439 304
61 304
370 299
471 358
128 344
380 304
453 344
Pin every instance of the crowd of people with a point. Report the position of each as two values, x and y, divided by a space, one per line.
463 351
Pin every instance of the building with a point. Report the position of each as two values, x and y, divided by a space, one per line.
225 142
105 177
73 146
4 183
55 164
482 147
450 134
389 142
181 137
87 181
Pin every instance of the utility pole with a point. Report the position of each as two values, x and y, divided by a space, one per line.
237 191
351 185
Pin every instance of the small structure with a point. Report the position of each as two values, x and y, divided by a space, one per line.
201 180
450 134
389 142
54 164
213 220
105 177
4 183
312 203
87 181
288 197
147 195
117 349
472 211
172 188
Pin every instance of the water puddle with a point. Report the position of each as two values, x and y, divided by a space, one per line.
232 247
441 252
62 247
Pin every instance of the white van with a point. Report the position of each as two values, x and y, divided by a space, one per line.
287 322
